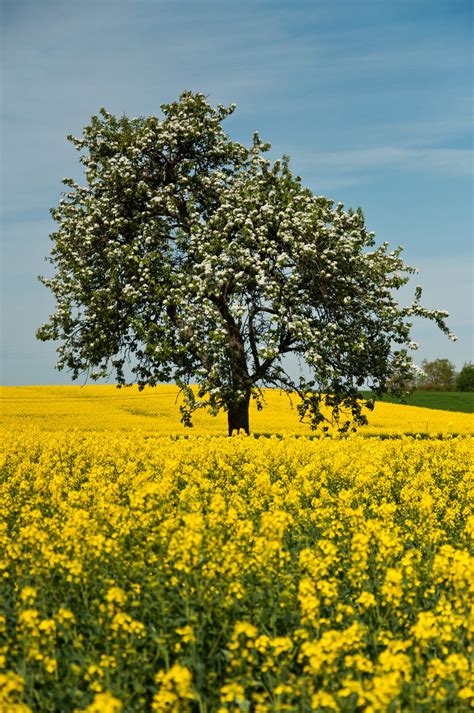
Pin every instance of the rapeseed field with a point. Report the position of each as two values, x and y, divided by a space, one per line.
145 572
156 410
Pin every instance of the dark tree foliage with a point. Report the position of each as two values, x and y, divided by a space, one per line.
465 378
437 375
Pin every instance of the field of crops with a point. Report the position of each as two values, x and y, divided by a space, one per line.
442 400
143 572
155 410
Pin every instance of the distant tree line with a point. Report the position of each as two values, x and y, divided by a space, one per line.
441 375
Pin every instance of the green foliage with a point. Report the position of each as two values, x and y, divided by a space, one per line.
465 378
438 375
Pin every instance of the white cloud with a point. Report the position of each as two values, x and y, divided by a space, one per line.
448 161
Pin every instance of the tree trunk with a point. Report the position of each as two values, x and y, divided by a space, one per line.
238 416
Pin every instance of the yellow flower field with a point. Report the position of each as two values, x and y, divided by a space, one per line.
98 408
205 574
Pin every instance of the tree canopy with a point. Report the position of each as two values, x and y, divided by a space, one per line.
189 257
437 375
465 378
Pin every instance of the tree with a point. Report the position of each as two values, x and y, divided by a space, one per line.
465 378
194 259
437 375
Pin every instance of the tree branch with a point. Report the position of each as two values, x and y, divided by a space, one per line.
186 333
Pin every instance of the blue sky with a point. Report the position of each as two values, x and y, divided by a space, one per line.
372 100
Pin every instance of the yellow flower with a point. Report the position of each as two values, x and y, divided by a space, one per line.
116 595
50 664
425 627
366 600
65 617
322 699
174 690
29 619
281 644
47 626
11 689
392 586
186 633
28 595
232 693
104 703
248 630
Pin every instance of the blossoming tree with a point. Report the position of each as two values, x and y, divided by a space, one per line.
190 257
